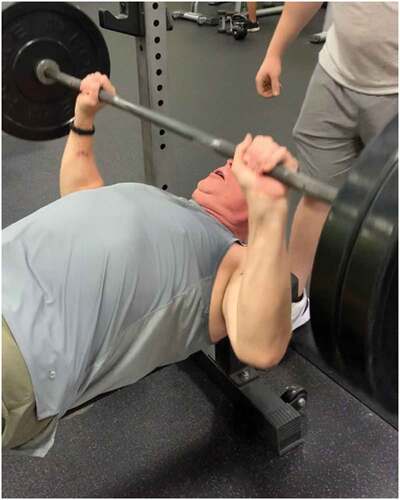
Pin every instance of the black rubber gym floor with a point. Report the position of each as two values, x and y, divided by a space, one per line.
174 433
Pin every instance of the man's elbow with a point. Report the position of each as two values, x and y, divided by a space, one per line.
267 360
262 359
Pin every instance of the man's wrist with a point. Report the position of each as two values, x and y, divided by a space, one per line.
256 199
84 122
268 212
274 53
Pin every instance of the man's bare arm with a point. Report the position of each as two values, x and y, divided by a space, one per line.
295 16
257 302
78 165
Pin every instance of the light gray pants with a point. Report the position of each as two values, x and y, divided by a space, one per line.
334 125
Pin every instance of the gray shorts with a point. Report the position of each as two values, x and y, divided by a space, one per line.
334 125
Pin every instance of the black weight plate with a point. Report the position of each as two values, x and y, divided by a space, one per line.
367 337
45 30
339 235
383 376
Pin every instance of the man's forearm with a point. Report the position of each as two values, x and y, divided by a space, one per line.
263 307
78 165
294 17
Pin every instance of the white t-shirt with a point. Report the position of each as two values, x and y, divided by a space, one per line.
361 48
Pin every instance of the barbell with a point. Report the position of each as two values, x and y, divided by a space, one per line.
38 39
45 43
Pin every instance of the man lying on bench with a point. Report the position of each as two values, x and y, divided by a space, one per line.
110 282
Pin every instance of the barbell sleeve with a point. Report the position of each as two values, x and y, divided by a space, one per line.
49 72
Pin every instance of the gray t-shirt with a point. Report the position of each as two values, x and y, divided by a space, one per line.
103 286
361 48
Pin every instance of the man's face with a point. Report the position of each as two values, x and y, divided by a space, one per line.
220 194
222 183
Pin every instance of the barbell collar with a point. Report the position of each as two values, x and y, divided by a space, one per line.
48 72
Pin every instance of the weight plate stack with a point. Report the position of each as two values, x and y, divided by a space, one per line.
354 264
367 342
